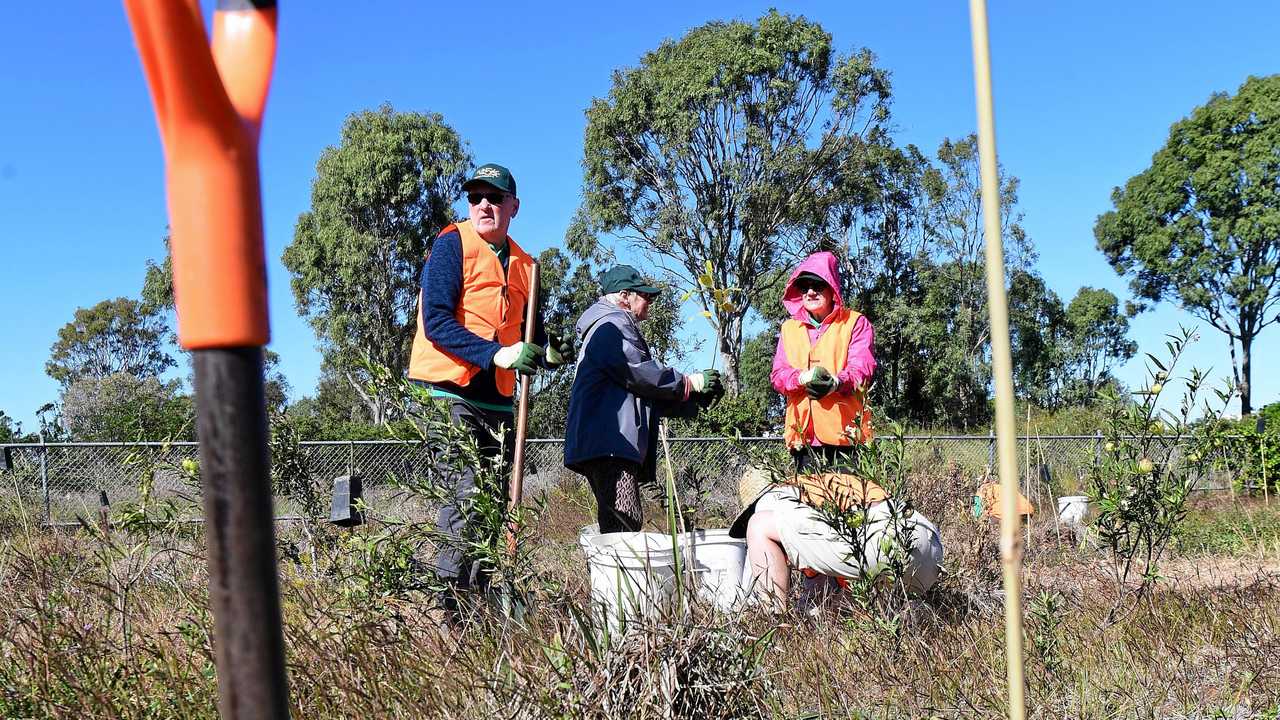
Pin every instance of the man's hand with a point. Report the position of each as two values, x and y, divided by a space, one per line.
819 383
707 385
560 350
522 357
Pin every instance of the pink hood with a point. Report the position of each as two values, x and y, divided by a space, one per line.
824 265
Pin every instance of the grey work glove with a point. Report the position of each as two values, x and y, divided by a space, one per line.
522 357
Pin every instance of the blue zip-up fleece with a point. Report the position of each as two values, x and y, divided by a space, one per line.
619 393
441 283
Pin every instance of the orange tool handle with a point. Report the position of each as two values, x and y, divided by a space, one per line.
209 105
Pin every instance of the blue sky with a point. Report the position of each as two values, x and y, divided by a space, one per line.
1085 93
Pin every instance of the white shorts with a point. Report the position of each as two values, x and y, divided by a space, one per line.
810 543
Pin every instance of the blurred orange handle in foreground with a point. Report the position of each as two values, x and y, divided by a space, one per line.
209 106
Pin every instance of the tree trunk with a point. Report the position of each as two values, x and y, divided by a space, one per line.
729 345
1246 373
375 404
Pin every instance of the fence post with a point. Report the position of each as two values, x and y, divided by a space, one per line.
351 459
991 451
1097 447
44 481
1262 453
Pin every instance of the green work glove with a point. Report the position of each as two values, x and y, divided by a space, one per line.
522 357
820 383
560 350
707 384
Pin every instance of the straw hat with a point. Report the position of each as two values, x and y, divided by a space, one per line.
753 482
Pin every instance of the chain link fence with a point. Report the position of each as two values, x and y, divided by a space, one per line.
64 482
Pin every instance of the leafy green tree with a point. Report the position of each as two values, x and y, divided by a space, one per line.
1202 224
157 284
378 200
1038 331
274 384
955 229
952 354
1098 342
10 429
124 407
567 291
115 336
720 153
915 236
334 412
889 257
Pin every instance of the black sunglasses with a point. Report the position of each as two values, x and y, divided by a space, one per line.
807 284
494 198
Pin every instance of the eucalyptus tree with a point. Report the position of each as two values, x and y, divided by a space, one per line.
378 200
1202 225
719 154
122 335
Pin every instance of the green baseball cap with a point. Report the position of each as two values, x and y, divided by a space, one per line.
625 277
492 174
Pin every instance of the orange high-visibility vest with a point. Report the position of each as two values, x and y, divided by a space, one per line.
836 419
843 490
989 501
491 305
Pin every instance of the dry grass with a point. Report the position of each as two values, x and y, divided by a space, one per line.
96 629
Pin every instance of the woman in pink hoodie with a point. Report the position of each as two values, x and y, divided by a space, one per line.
822 366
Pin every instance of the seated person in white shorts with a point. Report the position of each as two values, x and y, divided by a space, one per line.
784 530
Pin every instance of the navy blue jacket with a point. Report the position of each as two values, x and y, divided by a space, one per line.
619 393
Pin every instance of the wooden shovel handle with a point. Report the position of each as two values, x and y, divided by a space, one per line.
522 411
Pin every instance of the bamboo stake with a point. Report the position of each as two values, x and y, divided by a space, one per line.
1010 549
522 413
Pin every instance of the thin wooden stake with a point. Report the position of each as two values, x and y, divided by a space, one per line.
522 413
1010 548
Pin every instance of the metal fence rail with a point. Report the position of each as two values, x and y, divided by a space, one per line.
65 480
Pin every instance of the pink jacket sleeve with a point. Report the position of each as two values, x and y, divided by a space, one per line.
860 364
785 378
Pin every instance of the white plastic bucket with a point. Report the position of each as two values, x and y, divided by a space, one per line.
1073 509
632 575
584 538
716 561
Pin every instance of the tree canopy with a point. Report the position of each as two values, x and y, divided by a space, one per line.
378 199
1202 225
10 429
121 407
115 336
723 150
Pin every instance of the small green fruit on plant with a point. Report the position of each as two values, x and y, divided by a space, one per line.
1140 500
